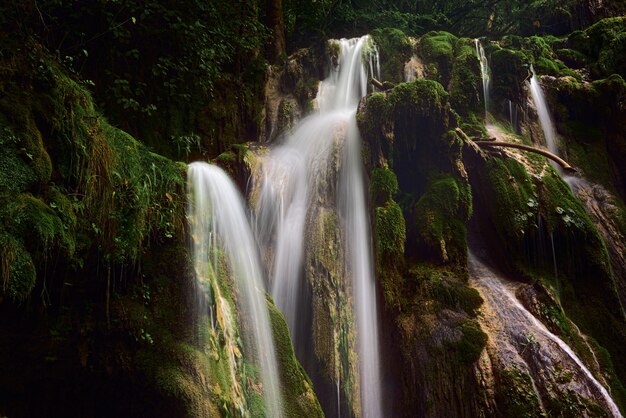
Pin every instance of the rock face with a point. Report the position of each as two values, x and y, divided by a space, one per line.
524 215
289 91
420 245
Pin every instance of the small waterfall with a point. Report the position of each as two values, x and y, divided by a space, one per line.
219 226
516 324
513 118
298 174
544 115
413 69
484 71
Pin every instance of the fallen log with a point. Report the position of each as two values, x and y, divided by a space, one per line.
540 151
376 83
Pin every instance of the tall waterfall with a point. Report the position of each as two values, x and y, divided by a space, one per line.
296 175
219 225
544 114
484 72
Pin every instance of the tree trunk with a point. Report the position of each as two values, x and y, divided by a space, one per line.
276 24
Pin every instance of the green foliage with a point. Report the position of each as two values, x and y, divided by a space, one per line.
164 60
17 269
105 191
607 44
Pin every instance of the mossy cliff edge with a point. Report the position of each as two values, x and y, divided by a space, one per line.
97 299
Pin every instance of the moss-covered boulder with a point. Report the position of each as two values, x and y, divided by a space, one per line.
466 81
437 51
510 68
395 49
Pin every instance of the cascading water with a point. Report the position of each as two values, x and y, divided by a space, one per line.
484 72
515 329
219 225
544 115
295 175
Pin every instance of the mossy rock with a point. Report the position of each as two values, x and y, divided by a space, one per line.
383 185
572 58
517 397
395 49
440 217
455 294
465 84
510 69
424 100
298 396
437 51
471 344
389 238
607 44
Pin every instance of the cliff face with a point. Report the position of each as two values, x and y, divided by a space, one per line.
98 301
524 218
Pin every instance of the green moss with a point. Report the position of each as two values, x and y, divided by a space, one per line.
383 185
17 269
299 400
26 216
509 69
466 79
473 124
605 41
516 395
395 50
538 46
547 66
437 51
513 196
227 157
572 58
440 216
390 236
16 173
420 97
451 293
472 342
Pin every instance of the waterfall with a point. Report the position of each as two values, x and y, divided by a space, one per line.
513 120
544 115
484 72
219 225
516 325
298 174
